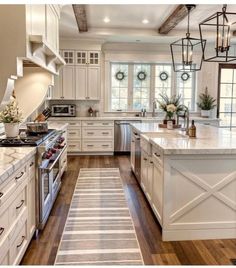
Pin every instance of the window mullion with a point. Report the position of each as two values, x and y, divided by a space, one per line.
130 87
152 87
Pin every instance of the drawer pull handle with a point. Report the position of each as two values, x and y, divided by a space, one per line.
105 133
21 204
105 145
145 159
158 155
23 238
72 133
21 174
151 162
64 161
1 230
90 145
90 124
90 133
1 194
72 124
105 124
31 164
71 145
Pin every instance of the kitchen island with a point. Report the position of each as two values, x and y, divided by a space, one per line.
190 183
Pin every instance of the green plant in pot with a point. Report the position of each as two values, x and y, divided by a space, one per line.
11 117
206 103
171 106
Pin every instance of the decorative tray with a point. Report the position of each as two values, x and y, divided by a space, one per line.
165 126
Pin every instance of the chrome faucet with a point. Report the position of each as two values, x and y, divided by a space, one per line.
154 107
185 116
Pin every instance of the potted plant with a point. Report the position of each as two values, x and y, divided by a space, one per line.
171 106
11 118
206 103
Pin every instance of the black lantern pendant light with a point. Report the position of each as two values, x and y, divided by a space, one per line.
219 23
186 52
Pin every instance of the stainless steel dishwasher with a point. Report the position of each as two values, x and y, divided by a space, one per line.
123 135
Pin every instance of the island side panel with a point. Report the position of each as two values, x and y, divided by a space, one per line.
199 200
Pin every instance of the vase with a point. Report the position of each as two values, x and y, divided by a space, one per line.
11 130
205 113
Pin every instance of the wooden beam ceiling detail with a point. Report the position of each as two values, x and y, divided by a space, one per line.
175 17
80 15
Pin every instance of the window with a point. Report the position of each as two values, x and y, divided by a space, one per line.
135 85
227 95
141 86
119 87
185 86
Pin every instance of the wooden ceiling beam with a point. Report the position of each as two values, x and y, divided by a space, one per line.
80 15
180 12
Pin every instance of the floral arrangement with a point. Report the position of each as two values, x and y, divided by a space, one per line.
11 113
170 105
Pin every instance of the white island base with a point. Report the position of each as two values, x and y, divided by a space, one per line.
199 197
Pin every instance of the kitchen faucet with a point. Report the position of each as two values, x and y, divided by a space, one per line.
154 107
185 116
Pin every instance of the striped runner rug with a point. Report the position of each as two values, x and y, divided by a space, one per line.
99 229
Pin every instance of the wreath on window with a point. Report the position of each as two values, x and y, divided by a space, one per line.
120 75
163 76
185 76
141 76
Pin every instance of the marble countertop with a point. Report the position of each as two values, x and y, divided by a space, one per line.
209 140
12 158
148 118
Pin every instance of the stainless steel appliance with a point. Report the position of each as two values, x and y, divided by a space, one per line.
63 110
123 135
50 147
137 159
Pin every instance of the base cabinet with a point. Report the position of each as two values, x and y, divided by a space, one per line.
17 214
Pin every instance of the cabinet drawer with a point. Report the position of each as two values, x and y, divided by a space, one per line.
98 123
74 124
74 146
97 133
18 205
97 146
18 245
8 188
157 156
74 133
4 224
4 252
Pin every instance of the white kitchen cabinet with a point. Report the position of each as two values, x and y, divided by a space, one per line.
87 83
132 152
68 83
157 188
38 19
57 88
84 57
52 28
69 56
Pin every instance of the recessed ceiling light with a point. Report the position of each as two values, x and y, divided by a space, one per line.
145 21
106 20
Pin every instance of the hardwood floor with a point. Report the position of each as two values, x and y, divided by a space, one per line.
42 251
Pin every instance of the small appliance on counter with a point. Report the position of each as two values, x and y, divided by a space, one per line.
66 110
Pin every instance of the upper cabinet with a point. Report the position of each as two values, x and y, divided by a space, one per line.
80 79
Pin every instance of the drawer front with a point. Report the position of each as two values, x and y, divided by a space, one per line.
4 252
97 146
74 124
98 123
8 188
74 146
18 246
157 156
18 205
31 167
98 133
146 146
74 133
4 224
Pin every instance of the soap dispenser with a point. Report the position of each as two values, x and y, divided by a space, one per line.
192 130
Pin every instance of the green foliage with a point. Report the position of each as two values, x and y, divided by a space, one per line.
207 102
175 100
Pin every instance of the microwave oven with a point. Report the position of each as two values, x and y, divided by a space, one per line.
63 110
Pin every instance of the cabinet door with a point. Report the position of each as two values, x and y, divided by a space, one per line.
57 89
51 24
94 58
68 83
38 20
93 83
132 152
69 56
81 58
81 82
144 170
157 191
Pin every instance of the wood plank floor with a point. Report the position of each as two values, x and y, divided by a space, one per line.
42 251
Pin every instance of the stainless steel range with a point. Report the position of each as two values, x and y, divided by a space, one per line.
50 148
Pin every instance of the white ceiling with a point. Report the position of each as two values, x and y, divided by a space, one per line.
126 22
